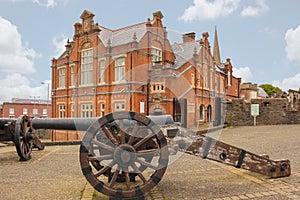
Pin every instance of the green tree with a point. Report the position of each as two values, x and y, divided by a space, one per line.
270 89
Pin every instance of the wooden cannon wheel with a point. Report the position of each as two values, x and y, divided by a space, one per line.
23 138
122 147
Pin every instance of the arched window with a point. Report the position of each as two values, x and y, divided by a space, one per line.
202 108
209 112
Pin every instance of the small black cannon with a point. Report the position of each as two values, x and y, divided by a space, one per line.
20 132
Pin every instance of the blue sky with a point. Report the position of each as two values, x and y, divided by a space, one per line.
262 37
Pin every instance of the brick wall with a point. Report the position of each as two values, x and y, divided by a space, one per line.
271 112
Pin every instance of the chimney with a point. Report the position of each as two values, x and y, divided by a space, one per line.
77 28
188 37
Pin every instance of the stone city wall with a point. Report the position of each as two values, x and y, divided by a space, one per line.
271 112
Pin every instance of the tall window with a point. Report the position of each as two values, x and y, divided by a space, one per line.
72 110
211 80
61 110
193 79
25 111
101 71
120 69
202 108
72 69
45 111
205 76
198 79
86 67
229 78
62 77
86 110
102 109
11 112
156 55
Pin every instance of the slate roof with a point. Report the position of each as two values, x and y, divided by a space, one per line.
184 52
123 35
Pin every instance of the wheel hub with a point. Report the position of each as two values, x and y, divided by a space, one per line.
125 155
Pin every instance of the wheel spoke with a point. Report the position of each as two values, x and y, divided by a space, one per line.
101 158
110 136
133 134
104 169
122 139
114 178
145 163
121 124
148 152
127 179
102 145
142 141
139 173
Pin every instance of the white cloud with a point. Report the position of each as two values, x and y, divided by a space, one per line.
14 56
253 11
205 9
288 83
59 44
18 86
46 3
243 72
292 38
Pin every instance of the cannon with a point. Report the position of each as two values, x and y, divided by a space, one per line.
20 132
125 154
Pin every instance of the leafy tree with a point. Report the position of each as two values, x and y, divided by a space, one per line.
270 89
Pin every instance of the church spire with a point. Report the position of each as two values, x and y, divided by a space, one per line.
216 50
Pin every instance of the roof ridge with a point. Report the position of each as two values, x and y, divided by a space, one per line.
129 27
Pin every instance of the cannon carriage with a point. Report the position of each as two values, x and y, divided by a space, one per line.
125 154
21 134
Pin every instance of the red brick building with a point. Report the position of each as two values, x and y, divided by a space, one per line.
137 68
29 107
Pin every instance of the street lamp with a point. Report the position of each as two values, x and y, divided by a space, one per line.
48 84
47 89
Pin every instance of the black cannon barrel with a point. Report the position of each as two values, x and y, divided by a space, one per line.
79 124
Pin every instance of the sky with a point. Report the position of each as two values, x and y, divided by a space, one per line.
261 37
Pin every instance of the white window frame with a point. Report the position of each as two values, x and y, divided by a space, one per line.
86 110
102 63
102 109
61 77
45 111
229 78
72 110
120 64
72 77
156 54
86 75
11 111
25 111
120 106
202 112
35 111
158 87
61 110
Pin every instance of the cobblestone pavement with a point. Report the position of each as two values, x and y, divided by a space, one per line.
51 174
55 172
